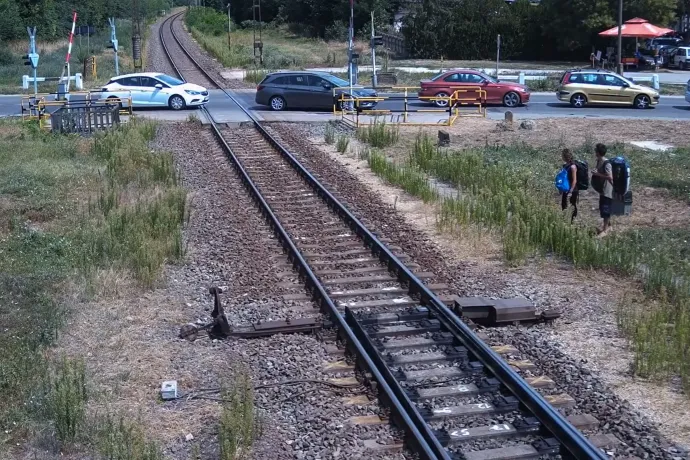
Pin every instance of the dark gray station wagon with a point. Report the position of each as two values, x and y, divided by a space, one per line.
309 90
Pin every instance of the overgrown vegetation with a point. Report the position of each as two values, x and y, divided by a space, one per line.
71 208
508 191
329 134
239 424
119 439
342 143
378 134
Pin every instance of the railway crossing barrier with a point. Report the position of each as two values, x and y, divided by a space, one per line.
466 102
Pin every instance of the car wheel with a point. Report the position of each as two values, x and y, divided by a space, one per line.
578 100
511 99
277 103
442 103
176 102
113 102
642 101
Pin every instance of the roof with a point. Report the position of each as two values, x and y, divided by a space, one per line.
139 74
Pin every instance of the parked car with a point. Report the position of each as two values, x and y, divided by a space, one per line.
680 58
445 84
311 90
662 41
687 92
645 59
666 53
602 87
152 89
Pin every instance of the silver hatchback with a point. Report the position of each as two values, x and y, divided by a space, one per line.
308 90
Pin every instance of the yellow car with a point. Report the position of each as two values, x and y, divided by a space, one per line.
599 87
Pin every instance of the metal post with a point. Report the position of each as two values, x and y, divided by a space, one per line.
351 69
498 53
113 41
32 50
229 25
620 37
373 52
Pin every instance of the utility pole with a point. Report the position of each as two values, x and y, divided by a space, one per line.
258 44
498 53
620 37
229 25
373 52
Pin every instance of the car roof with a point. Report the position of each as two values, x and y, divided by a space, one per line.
139 74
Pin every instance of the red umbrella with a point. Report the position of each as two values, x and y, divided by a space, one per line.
637 27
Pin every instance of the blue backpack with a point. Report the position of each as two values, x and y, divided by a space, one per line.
562 181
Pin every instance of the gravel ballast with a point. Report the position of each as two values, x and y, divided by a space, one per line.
571 373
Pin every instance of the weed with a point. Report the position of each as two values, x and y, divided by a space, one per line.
119 439
192 118
255 76
378 134
410 179
342 143
329 134
67 399
239 423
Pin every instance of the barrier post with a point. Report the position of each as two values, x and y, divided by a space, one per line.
655 81
521 78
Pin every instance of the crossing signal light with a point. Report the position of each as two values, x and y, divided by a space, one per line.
377 40
31 59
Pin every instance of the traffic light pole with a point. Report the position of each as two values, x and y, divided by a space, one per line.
32 57
113 44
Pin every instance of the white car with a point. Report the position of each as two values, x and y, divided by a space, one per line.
151 89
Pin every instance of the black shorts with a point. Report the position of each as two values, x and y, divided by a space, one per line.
605 206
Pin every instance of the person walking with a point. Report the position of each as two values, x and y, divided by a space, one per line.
602 182
574 192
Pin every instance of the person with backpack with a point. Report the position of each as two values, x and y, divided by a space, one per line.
602 182
573 191
573 177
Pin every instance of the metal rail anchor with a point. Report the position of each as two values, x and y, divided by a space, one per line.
219 328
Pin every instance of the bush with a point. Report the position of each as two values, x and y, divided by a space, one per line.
208 21
342 143
336 32
67 399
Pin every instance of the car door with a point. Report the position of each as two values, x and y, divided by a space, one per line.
132 88
320 92
154 96
593 86
297 94
472 81
617 90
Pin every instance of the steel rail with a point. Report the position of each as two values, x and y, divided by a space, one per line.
575 444
403 411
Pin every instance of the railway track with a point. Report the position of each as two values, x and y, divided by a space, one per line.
444 387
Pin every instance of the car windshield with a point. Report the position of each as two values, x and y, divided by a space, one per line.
169 80
488 78
336 81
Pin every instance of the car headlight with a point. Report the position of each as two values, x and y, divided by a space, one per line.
522 90
192 92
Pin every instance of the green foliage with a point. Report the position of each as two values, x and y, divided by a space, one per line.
342 143
239 423
378 134
52 18
67 399
256 75
329 134
208 21
133 223
119 439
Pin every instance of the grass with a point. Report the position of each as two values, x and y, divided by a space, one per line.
52 60
116 438
342 143
239 424
329 134
670 89
508 191
282 49
378 134
71 207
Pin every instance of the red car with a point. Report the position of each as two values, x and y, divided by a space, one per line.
443 85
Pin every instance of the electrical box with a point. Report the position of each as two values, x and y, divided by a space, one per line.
169 390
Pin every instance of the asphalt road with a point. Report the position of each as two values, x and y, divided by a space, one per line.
540 106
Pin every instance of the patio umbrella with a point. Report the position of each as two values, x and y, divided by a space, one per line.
637 27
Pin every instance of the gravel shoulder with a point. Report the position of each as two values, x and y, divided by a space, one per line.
583 348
